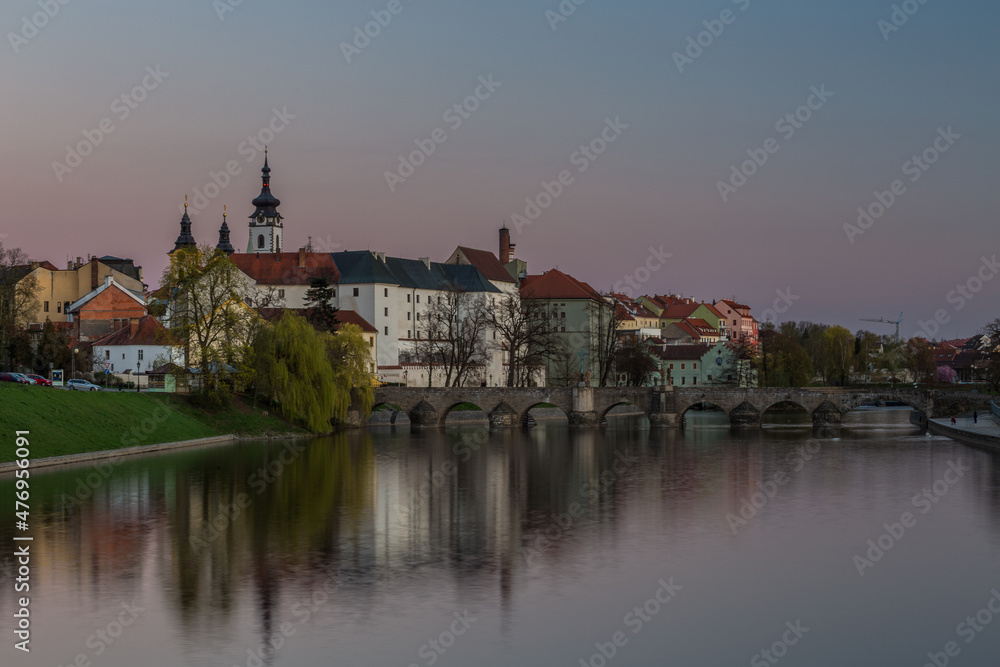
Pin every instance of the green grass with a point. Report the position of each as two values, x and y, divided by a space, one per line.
71 422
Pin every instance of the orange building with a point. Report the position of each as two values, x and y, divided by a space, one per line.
107 309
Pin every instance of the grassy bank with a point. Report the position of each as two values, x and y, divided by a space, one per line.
70 422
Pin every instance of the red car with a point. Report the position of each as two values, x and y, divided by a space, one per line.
12 377
40 381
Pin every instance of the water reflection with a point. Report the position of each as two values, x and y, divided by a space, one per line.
220 543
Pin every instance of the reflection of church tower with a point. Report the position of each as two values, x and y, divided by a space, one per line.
224 244
265 223
185 240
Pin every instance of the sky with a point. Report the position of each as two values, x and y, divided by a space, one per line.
667 123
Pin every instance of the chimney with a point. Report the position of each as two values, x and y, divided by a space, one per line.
133 326
506 247
107 281
427 262
302 258
78 263
93 274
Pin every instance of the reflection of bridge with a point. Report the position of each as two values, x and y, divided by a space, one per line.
587 407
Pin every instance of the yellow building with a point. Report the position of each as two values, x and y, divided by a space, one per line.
57 288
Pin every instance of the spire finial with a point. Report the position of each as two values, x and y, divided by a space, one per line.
224 214
185 202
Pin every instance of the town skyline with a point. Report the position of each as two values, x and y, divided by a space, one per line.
860 92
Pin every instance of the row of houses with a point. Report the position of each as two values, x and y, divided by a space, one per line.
103 303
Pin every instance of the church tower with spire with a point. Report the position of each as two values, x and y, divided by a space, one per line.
186 239
224 244
265 223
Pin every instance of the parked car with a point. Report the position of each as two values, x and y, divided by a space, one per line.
81 385
40 381
27 380
13 377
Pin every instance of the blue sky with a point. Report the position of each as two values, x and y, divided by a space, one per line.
657 184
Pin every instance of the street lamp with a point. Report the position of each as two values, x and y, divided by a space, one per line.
72 364
138 368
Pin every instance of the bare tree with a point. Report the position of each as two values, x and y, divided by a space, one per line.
456 326
604 322
523 327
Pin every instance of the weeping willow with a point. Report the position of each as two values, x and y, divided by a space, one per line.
311 376
349 355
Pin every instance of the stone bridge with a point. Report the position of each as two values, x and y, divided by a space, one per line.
665 406
507 407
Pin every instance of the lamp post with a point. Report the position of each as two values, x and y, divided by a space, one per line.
72 364
138 368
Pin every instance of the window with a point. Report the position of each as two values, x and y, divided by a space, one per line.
683 380
671 367
387 331
123 356
260 241
107 355
387 312
387 291
407 316
407 298
562 315
694 380
334 293
356 291
408 334
418 317
563 329
418 335
418 298
58 307
66 307
683 366
281 294
46 306
694 366
371 342
709 378
140 355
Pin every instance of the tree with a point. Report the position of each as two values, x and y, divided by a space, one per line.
312 376
211 310
919 360
838 343
319 302
946 374
523 328
53 348
604 322
784 362
633 358
455 324
349 357
18 297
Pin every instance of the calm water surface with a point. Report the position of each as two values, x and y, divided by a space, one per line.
523 548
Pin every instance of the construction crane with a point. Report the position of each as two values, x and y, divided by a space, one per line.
885 321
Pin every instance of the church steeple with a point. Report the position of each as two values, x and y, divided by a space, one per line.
265 222
224 244
186 239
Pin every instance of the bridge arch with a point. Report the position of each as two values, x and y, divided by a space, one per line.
524 416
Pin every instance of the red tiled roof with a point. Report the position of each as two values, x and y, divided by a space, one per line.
343 317
735 306
149 332
487 263
679 311
681 352
283 268
352 317
554 284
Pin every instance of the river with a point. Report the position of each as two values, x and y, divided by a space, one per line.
869 544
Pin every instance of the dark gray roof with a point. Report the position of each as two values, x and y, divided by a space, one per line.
363 267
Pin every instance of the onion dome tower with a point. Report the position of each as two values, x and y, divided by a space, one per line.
265 223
